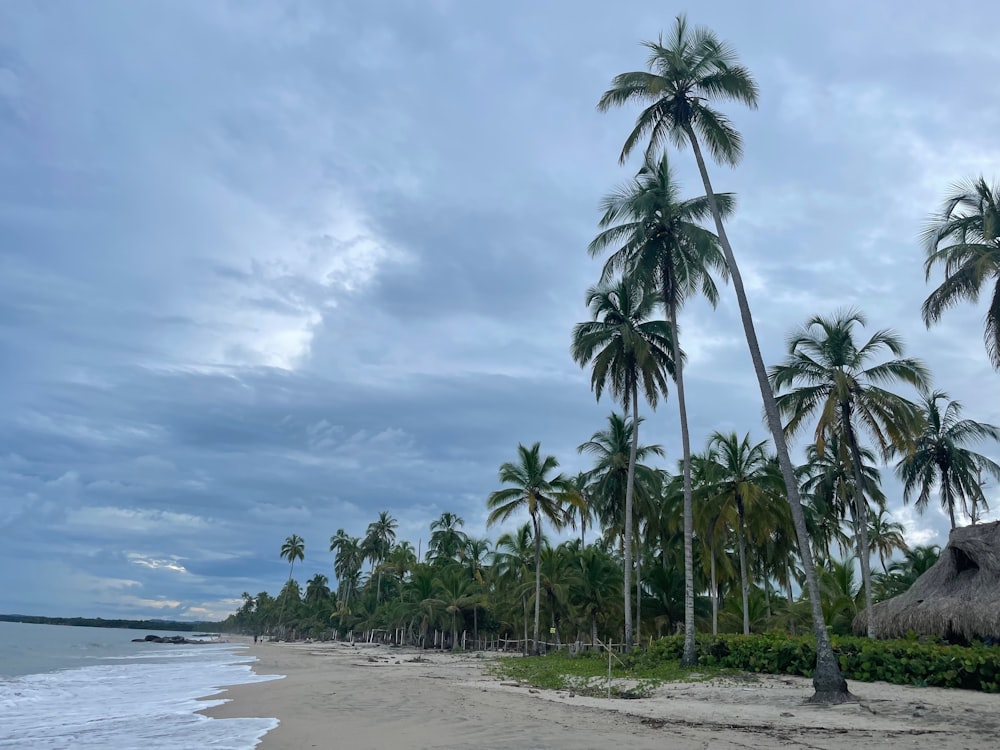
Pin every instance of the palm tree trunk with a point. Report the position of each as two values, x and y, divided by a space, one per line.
524 610
690 656
538 579
828 682
744 579
593 629
861 516
638 592
715 597
629 490
949 500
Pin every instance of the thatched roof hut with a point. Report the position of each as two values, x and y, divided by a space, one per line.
958 598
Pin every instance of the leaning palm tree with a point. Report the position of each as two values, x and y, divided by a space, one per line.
293 548
348 558
965 238
653 233
940 458
687 72
532 488
885 536
827 373
628 352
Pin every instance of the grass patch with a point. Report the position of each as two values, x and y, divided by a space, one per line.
587 673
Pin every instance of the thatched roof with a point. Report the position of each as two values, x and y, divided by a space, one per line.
957 598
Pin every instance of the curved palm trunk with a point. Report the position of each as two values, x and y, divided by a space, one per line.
744 579
538 579
690 656
828 682
629 491
861 514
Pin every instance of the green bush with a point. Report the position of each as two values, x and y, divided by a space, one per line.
907 662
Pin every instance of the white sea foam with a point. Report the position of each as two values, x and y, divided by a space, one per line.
147 701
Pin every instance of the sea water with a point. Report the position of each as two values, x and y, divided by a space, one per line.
68 687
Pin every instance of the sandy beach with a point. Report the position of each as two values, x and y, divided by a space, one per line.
361 697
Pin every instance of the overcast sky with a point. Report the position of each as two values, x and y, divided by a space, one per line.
273 267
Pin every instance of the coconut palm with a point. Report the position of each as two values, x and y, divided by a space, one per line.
582 515
941 459
745 479
348 558
628 352
827 373
534 489
401 560
885 536
317 588
379 538
455 593
293 548
655 234
965 238
447 538
512 563
596 587
687 72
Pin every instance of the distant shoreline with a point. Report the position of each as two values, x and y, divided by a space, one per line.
121 624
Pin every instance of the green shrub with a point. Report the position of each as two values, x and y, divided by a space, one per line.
905 662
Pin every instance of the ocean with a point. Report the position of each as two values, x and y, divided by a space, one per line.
76 688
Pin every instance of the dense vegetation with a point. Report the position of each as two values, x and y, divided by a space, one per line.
735 538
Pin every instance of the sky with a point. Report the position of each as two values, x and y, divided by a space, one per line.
271 267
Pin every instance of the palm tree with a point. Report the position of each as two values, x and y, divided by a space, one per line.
532 488
628 352
447 538
512 559
582 514
940 458
693 68
828 373
454 593
595 588
317 588
348 557
968 227
655 234
745 479
379 538
401 560
293 548
885 536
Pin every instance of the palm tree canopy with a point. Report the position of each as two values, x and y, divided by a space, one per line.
941 456
685 70
293 548
629 352
965 238
826 371
654 234
532 489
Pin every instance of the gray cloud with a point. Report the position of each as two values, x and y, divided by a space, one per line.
274 267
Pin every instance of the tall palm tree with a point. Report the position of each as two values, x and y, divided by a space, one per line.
939 458
512 562
746 480
293 548
827 373
401 560
686 74
455 593
655 234
582 514
628 353
532 488
317 588
348 558
379 538
965 238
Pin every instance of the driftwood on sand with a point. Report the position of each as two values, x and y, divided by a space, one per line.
958 598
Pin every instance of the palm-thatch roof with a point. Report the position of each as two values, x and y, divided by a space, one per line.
958 598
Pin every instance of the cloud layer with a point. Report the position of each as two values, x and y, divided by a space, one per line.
273 267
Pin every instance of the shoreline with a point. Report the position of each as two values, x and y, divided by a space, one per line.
373 696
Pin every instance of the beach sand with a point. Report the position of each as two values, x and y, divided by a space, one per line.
366 697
